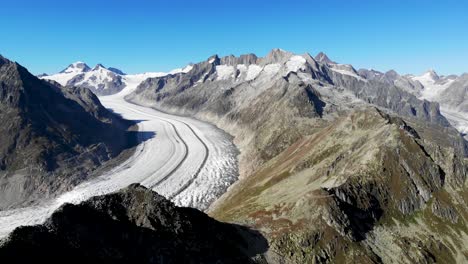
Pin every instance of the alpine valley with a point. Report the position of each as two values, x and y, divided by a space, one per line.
286 158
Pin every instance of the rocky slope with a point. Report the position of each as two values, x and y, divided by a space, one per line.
269 103
451 92
134 225
337 165
52 137
367 188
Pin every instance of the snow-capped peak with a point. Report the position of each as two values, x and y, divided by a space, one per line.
99 66
431 74
77 67
186 69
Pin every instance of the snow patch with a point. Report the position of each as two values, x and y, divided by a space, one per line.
272 69
349 73
61 78
296 63
431 88
457 119
253 71
186 69
224 72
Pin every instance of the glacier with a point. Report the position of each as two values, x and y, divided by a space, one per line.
189 161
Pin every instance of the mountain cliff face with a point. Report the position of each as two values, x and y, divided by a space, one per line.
52 137
134 225
337 165
451 92
456 94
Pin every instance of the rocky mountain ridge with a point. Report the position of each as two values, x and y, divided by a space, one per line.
134 225
55 135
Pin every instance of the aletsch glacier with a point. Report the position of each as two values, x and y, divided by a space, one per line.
189 161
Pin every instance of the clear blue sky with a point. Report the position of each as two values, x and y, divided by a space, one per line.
159 35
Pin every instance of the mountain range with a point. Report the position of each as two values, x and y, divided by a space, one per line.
449 91
100 80
337 165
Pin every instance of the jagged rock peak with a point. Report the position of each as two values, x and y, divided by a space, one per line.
370 73
431 73
3 60
246 59
99 66
392 74
278 56
214 59
323 58
115 70
77 67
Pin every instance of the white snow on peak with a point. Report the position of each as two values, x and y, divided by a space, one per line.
429 75
295 63
431 88
211 60
98 67
186 69
345 71
97 76
76 67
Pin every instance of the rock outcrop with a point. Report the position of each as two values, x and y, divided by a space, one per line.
134 225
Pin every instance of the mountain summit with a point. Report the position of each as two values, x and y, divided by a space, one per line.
100 80
77 67
323 58
432 74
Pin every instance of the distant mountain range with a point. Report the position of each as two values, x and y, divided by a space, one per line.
100 80
451 91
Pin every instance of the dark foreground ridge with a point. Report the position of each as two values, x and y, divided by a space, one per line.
134 225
